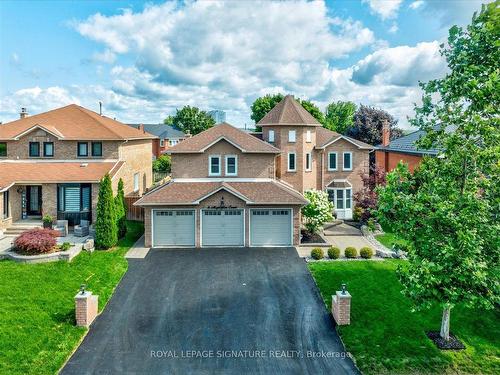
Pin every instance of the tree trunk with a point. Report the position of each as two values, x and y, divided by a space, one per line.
445 323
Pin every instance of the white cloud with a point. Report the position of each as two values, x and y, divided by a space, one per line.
385 9
401 66
105 56
394 28
416 4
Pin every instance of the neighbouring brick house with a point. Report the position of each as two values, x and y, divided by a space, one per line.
230 188
51 163
405 149
168 136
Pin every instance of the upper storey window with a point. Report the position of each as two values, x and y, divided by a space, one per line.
270 136
332 161
82 149
3 149
231 165
97 149
34 149
347 161
308 136
291 136
214 165
292 161
48 149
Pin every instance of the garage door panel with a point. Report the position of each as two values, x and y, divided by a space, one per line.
174 228
271 227
223 227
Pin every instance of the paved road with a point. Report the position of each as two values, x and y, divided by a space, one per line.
224 311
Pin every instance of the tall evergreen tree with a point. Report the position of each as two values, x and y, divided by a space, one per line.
106 231
120 209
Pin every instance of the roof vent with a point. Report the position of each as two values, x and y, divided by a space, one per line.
83 165
23 113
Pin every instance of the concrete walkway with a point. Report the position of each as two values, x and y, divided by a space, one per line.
138 251
340 236
5 244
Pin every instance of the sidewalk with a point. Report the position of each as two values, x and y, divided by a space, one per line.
138 250
5 244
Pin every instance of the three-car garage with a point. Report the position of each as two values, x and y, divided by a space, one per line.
222 227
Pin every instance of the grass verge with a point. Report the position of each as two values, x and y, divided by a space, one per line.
386 337
37 323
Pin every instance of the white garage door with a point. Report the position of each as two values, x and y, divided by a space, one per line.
173 228
271 227
222 227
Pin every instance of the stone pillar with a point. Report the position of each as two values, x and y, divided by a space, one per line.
341 307
85 308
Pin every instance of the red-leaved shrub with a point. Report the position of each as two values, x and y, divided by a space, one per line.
36 241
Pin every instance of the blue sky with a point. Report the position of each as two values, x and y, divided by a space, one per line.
144 59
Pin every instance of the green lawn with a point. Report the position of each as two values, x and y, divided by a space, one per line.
37 324
388 239
386 337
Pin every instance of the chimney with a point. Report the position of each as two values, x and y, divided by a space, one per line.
100 108
386 133
23 113
141 128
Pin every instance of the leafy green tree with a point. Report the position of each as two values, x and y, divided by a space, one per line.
190 120
319 210
106 231
368 123
313 110
120 210
261 106
448 210
339 116
163 164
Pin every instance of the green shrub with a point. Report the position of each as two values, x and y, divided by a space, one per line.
317 253
358 213
318 211
163 164
65 246
106 231
333 252
121 210
371 224
366 252
350 252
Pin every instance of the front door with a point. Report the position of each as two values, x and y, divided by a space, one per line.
342 200
34 200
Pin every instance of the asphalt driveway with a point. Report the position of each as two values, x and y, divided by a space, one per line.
225 311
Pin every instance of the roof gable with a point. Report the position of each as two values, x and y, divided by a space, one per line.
73 123
325 138
247 143
288 112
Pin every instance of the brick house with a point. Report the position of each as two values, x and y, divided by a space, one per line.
230 188
51 163
167 136
389 153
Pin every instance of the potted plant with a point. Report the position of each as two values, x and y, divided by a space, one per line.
47 221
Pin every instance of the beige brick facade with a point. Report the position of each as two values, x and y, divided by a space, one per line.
249 165
214 200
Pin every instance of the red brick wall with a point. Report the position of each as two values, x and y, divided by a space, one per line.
388 160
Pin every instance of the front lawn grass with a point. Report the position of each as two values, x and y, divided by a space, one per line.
388 239
37 322
386 337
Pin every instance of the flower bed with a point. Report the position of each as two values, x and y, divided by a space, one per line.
36 241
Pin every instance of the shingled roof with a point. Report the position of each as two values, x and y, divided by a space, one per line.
72 122
162 131
237 137
191 193
288 112
325 137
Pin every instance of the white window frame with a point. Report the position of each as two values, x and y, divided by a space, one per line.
308 136
173 142
295 162
308 164
210 165
270 136
336 161
136 181
292 136
235 165
343 161
162 142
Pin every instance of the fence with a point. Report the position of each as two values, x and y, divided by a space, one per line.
158 176
134 212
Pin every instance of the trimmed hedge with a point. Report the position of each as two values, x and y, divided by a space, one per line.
317 253
366 252
333 252
350 252
36 241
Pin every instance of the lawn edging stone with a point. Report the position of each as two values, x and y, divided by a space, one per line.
44 258
380 249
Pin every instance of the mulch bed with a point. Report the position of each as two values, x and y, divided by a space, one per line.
311 238
452 344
